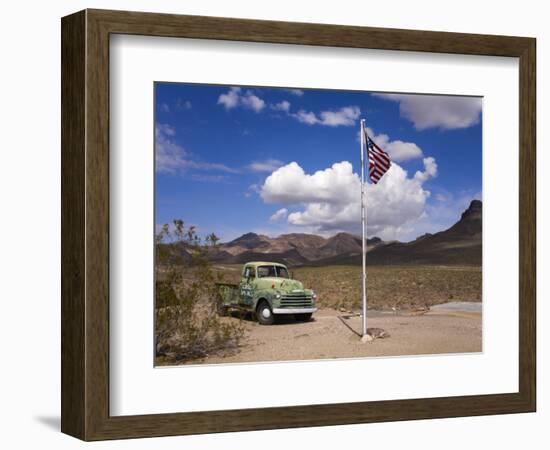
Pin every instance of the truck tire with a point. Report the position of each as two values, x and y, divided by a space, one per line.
264 314
306 317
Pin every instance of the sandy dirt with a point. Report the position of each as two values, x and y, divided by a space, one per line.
336 334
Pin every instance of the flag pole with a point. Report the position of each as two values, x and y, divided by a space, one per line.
364 230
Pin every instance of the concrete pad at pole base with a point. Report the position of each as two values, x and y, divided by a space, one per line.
367 338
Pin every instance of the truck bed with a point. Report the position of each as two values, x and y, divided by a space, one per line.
229 293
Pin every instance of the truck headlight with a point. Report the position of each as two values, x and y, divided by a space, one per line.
277 296
314 296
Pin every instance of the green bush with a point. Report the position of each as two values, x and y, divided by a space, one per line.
187 325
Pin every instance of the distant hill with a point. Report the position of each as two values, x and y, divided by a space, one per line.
294 249
458 245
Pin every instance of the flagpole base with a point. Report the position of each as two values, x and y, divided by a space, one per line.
367 338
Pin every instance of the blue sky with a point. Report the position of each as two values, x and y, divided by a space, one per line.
231 160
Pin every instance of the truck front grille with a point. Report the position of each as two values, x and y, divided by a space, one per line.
296 301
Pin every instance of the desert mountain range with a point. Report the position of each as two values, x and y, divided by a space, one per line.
458 245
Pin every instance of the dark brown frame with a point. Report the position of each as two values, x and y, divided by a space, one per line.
85 224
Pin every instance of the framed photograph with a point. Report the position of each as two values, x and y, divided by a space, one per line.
273 225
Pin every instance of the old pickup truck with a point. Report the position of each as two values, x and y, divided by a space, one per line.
267 290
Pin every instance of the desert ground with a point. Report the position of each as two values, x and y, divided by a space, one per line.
452 328
424 309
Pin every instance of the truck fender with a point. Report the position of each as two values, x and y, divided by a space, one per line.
262 299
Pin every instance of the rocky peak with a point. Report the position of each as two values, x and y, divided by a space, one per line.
248 240
375 240
473 211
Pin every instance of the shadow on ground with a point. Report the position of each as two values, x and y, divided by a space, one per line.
282 319
52 422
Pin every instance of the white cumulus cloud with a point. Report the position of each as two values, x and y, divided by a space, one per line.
437 111
237 97
430 170
230 99
281 106
330 198
279 215
253 102
291 185
306 117
398 150
345 116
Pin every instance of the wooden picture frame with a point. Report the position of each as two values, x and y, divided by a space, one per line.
85 224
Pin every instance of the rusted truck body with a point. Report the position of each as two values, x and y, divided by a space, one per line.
267 290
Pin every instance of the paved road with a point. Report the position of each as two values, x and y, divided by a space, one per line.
459 306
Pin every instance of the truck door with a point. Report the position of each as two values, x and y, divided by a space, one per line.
247 286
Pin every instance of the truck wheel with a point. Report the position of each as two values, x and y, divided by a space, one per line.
306 317
264 314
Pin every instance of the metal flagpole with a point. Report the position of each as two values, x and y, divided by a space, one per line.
364 228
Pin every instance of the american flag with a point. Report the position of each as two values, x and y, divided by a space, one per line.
379 160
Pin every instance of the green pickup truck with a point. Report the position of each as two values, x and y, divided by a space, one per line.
267 290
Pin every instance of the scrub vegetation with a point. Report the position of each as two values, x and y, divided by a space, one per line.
187 325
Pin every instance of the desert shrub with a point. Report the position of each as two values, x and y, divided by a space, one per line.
187 298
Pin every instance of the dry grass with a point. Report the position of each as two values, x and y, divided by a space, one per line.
403 287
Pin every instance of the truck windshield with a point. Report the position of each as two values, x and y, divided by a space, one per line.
282 272
272 271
